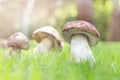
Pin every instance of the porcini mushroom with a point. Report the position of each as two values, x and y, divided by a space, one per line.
16 42
81 35
3 44
47 38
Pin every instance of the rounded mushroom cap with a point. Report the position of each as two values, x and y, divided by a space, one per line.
3 44
47 31
81 27
18 40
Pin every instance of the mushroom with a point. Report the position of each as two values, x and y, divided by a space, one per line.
81 35
3 44
16 42
47 38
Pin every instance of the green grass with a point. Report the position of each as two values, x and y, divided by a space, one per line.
57 66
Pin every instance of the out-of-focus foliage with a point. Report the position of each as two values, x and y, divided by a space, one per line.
114 31
63 14
102 17
52 12
60 15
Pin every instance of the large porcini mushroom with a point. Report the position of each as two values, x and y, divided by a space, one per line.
16 42
81 35
47 38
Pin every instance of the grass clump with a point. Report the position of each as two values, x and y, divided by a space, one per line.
56 65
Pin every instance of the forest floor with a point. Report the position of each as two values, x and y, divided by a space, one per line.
57 66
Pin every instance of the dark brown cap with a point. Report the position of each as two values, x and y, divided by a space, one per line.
81 27
18 40
49 32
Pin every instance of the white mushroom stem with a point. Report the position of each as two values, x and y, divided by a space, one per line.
45 45
13 51
80 50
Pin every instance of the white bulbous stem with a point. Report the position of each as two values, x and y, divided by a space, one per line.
45 45
80 50
13 51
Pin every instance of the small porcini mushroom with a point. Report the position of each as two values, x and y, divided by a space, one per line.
3 44
47 38
81 35
16 42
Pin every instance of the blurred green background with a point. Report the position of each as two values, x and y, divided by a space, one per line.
28 15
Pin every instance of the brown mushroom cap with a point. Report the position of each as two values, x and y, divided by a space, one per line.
81 27
18 40
48 32
3 44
